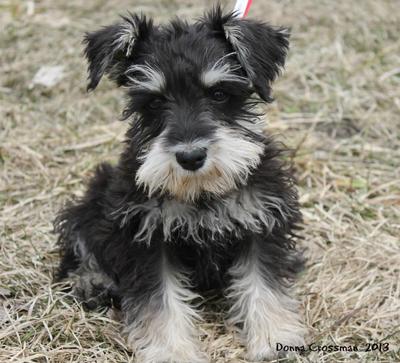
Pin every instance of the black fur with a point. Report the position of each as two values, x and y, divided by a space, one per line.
103 54
94 218
266 46
180 51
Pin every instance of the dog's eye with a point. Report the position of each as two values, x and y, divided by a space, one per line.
219 96
155 103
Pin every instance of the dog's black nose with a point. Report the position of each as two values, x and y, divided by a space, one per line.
191 160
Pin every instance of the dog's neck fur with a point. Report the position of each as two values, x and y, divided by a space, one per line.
245 209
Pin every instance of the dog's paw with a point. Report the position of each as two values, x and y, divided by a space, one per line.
266 347
165 338
261 354
92 290
170 354
266 353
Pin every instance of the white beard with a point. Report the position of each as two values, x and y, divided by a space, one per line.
230 160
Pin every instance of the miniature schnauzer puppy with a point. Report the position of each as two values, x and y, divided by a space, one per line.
200 199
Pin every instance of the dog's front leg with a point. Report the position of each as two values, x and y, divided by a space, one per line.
160 322
261 307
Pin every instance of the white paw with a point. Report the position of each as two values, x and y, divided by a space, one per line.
260 354
269 347
170 354
153 343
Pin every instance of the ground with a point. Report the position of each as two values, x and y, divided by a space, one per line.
337 106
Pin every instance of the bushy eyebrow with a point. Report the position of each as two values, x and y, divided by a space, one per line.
222 71
145 77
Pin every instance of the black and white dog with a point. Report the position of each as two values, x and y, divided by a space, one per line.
200 199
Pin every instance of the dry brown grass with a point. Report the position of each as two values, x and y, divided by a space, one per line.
338 105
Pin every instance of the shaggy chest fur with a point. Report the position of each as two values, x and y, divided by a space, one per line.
235 213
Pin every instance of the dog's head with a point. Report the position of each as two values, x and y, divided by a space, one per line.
192 89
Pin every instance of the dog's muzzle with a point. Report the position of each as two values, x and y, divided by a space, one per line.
191 160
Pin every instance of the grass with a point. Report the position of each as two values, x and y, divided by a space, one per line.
337 105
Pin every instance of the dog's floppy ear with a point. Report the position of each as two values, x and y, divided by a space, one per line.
260 48
110 50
